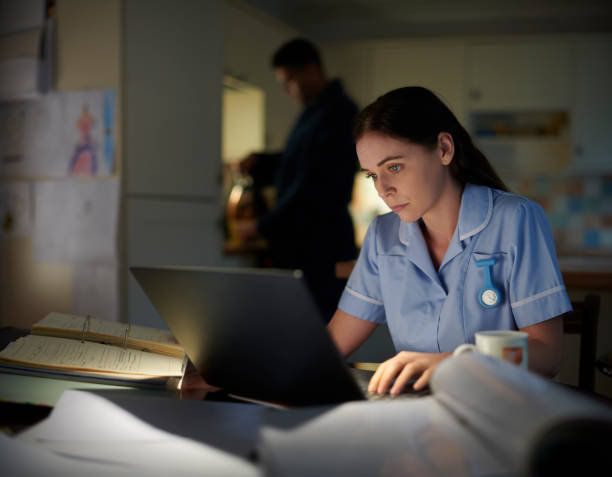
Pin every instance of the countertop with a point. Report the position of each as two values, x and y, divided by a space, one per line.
586 271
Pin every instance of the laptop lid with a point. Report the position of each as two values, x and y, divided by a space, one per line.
256 333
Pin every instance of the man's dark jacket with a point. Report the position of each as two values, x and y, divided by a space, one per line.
310 226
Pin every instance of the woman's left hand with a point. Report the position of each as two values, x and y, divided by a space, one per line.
402 367
246 229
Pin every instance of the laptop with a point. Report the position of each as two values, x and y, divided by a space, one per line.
256 333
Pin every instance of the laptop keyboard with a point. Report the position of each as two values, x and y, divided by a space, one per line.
362 377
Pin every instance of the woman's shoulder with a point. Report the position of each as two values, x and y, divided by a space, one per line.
384 224
510 203
384 232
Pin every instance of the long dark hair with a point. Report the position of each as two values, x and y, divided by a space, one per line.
416 114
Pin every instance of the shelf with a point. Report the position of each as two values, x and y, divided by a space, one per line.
520 124
517 140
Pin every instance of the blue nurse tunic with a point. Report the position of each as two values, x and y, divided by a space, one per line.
500 272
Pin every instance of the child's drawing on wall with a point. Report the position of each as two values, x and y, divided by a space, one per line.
84 159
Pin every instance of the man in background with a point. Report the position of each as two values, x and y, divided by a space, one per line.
309 227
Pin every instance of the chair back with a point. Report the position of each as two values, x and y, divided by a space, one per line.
582 320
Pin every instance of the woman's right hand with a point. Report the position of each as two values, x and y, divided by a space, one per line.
193 385
246 165
395 373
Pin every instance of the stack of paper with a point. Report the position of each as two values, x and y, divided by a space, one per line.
104 439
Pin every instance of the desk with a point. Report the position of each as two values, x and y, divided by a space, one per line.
454 431
26 400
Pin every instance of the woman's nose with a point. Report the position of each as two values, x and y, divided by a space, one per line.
385 189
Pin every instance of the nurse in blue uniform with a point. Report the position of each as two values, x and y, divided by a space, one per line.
457 254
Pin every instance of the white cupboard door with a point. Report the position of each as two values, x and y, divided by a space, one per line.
592 111
527 75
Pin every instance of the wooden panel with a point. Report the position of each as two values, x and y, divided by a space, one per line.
597 281
30 289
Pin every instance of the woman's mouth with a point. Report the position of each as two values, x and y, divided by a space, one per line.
398 208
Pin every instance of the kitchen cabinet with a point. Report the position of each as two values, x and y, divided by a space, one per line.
519 75
172 80
436 66
523 143
529 84
592 106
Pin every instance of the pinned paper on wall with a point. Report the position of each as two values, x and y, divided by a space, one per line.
21 16
60 135
95 291
76 221
16 213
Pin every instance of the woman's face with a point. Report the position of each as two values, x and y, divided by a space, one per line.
409 177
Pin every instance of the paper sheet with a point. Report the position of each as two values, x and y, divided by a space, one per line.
76 323
95 290
415 437
71 353
18 79
23 15
90 426
26 458
16 214
58 135
76 221
506 405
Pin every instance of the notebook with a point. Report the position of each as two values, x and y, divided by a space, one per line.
256 333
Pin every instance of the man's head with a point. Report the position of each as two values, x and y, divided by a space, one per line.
298 68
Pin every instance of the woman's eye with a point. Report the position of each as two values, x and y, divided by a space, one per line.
395 167
370 175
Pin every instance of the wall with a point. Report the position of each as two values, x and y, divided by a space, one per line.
249 60
88 56
373 67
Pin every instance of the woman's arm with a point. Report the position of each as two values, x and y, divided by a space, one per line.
545 346
348 332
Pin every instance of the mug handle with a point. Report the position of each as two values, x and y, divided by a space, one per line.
463 348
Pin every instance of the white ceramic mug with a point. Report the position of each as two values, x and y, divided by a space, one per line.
505 344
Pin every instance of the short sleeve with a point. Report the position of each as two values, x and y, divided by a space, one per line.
362 296
536 289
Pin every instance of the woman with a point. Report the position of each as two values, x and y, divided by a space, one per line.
424 267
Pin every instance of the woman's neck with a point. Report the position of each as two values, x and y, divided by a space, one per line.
440 222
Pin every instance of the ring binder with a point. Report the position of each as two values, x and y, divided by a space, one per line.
125 336
85 328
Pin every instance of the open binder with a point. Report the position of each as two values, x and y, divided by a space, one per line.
127 335
88 349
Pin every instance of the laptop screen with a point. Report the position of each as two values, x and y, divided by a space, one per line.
254 332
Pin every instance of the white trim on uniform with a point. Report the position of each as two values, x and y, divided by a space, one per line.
363 297
537 296
485 222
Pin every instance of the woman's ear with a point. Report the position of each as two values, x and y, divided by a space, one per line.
446 148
